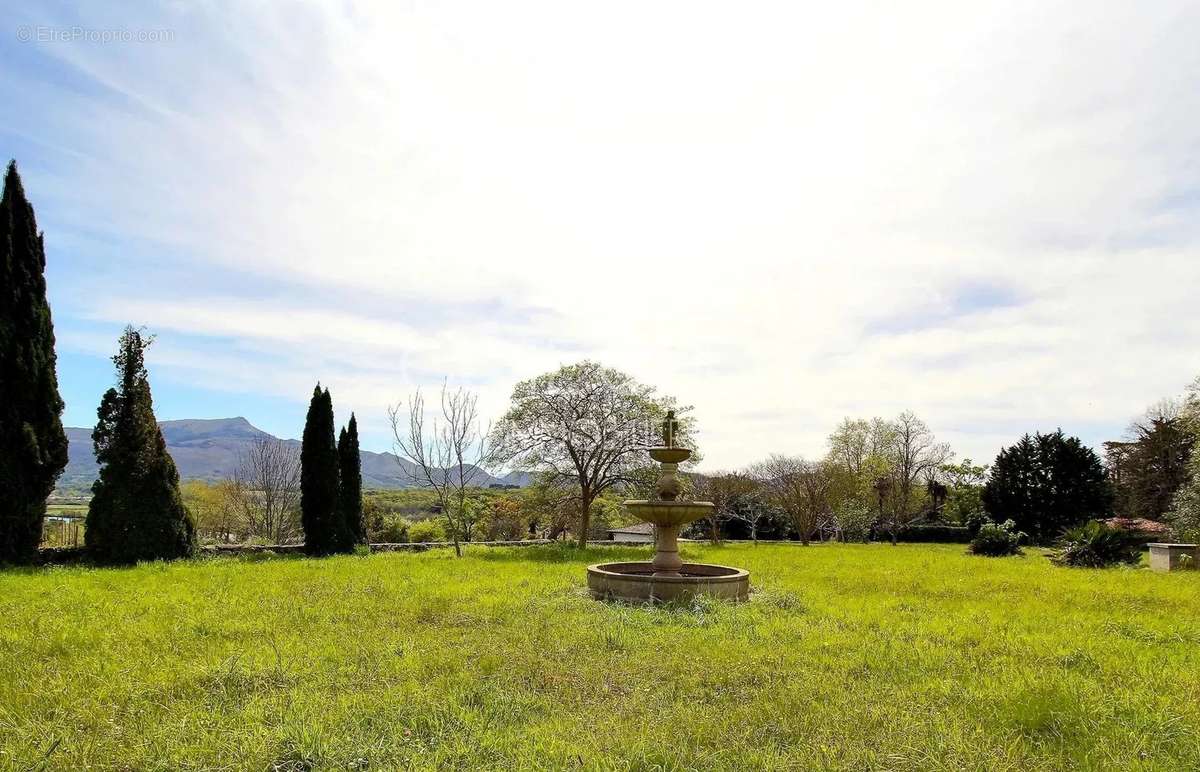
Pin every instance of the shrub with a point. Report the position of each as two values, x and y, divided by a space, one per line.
426 530
975 520
854 521
997 540
392 529
505 520
954 534
1095 545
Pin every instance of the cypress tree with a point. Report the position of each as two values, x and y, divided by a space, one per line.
33 445
350 490
325 529
136 512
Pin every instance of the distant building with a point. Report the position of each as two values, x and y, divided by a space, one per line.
640 532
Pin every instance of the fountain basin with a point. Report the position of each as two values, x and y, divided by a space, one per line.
670 455
637 583
666 514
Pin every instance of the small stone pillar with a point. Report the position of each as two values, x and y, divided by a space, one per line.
1165 557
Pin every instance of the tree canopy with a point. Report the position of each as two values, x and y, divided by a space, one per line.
587 427
1046 484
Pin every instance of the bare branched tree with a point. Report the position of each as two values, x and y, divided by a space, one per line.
449 455
266 488
800 488
914 453
725 490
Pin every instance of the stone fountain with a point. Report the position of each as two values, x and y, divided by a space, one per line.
667 577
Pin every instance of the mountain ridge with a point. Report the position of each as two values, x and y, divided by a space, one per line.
211 448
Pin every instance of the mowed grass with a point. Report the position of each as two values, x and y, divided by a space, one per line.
848 656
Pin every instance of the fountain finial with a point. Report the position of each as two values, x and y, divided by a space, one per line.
669 427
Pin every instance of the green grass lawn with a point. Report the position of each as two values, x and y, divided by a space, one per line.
848 656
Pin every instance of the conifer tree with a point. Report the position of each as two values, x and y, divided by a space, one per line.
33 446
136 512
350 490
1046 484
325 529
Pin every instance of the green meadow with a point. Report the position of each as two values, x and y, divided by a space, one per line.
848 656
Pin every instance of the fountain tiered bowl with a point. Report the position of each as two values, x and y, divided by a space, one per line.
667 577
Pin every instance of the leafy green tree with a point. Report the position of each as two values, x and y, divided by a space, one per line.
586 426
1046 484
853 521
136 512
350 483
964 495
325 531
1184 515
33 446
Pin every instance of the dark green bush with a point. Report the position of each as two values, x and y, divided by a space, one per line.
1095 545
952 534
997 540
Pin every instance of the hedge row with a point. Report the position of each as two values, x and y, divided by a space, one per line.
952 534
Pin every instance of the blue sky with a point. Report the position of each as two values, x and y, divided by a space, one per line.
985 213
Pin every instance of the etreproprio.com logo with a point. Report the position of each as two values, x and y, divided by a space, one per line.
80 34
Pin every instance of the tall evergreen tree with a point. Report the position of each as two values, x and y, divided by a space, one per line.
325 529
1147 472
350 489
1046 484
33 446
136 512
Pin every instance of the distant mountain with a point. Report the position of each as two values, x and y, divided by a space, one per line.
210 449
517 479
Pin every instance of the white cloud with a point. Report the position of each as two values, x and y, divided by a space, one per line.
726 204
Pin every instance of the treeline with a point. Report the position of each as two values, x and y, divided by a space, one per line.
892 480
231 512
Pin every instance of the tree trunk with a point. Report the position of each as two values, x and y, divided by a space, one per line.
585 515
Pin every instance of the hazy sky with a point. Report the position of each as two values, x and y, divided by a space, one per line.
782 213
